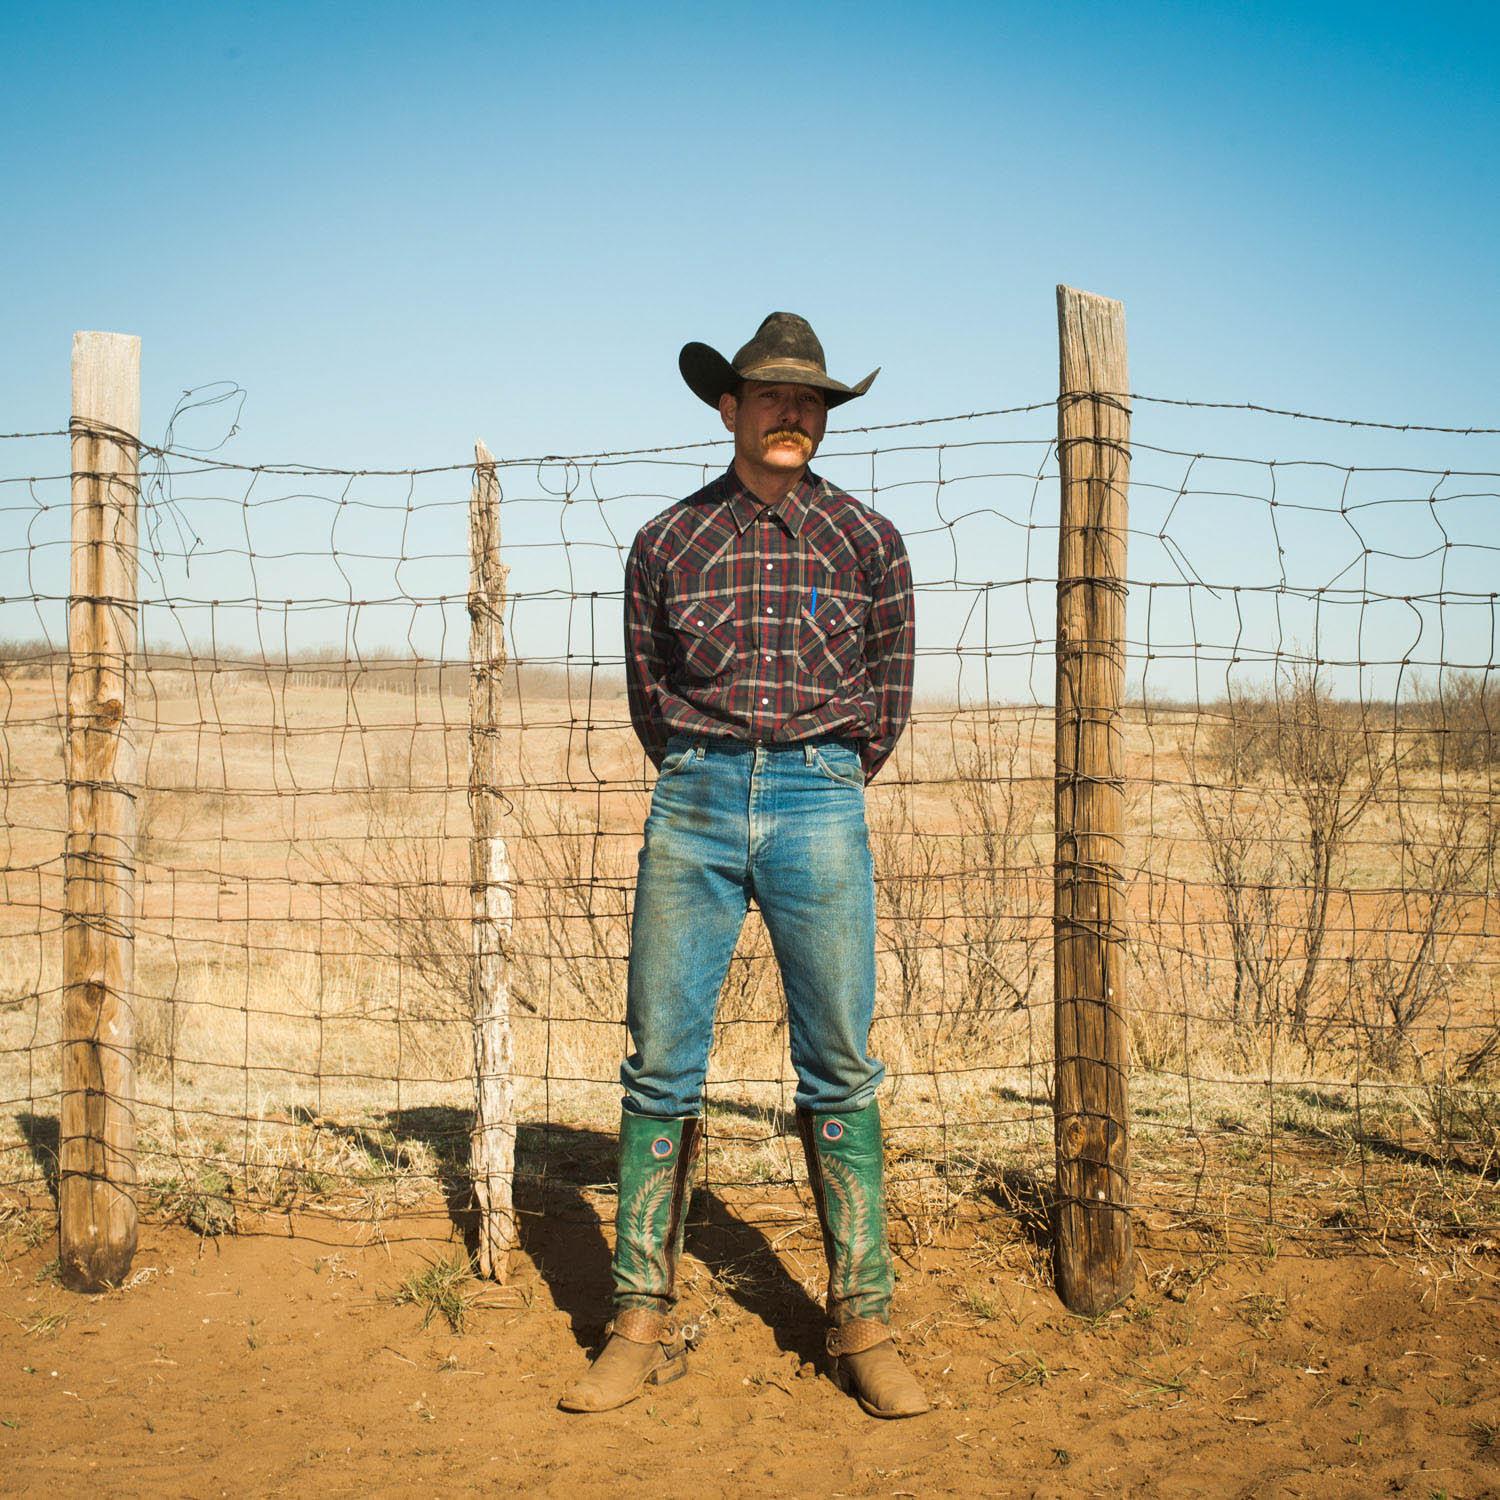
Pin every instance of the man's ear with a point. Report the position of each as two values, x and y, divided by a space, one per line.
728 406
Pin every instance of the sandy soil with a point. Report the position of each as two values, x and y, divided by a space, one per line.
267 1364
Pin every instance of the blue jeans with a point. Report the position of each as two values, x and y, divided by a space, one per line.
784 824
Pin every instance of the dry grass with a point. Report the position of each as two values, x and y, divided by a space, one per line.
441 1288
1314 1037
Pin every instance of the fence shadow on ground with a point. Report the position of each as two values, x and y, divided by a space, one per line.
1485 1167
560 1228
562 1235
561 1232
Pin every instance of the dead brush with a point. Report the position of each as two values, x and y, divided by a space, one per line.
1175 1282
1455 721
1464 1118
1413 954
20 1223
204 1202
1260 1309
959 935
1277 789
1000 812
907 896
282 1163
404 888
1025 1369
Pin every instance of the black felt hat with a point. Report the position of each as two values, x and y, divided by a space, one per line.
784 349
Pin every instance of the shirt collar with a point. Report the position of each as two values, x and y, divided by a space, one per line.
744 506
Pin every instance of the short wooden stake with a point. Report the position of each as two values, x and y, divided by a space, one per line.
96 1160
492 1141
1093 1249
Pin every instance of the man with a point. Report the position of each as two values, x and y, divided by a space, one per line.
769 655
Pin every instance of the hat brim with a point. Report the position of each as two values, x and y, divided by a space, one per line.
709 376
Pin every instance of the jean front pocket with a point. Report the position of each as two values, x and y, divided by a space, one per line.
677 760
840 764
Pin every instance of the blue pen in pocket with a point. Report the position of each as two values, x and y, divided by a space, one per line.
814 609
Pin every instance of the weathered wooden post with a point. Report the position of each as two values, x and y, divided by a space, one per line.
492 1141
1094 1266
96 1158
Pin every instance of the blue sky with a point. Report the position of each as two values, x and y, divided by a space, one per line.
400 227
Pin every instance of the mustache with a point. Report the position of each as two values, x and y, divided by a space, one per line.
789 435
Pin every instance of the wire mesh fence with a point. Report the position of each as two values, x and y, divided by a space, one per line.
1311 739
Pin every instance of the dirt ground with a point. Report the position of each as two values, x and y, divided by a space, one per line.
277 1362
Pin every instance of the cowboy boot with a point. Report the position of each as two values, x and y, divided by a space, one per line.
643 1345
846 1166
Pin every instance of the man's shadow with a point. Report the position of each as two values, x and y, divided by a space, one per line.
565 1184
563 1235
560 1170
554 1166
742 1261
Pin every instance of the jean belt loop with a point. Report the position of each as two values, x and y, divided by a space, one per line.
808 752
700 749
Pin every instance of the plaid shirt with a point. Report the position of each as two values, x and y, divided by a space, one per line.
770 623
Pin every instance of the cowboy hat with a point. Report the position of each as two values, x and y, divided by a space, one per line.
784 349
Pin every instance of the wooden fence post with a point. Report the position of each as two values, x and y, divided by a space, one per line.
492 1141
96 1157
1094 1258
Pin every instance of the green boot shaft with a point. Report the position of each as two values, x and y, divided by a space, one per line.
846 1166
656 1163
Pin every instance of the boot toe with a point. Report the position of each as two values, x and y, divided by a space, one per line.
621 1373
584 1395
881 1383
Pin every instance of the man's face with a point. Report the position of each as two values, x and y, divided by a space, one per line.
777 428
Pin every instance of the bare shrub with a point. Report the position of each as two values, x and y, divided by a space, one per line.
752 986
155 1035
403 893
24 659
908 891
573 887
1462 1112
392 671
1001 945
1171 991
1329 760
1248 869
1408 964
1458 722
161 819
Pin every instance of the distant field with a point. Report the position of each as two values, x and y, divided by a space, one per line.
301 948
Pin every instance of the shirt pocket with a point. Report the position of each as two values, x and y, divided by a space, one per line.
830 633
703 625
